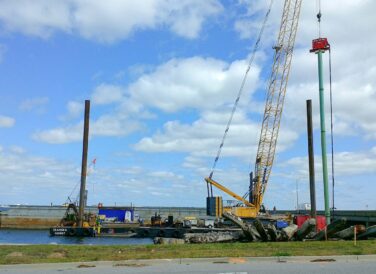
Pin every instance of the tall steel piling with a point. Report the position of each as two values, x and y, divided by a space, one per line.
85 147
323 137
311 159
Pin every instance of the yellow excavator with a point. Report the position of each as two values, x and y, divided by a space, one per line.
283 51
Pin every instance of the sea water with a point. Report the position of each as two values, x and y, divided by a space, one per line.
18 236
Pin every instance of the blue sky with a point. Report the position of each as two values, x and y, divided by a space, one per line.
162 76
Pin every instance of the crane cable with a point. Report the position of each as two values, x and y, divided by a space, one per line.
255 48
318 7
331 123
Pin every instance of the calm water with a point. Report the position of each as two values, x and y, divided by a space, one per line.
8 236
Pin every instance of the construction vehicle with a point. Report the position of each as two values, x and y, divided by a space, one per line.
249 205
71 217
75 221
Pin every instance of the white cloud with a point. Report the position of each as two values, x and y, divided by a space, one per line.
114 125
179 84
173 86
75 109
346 163
17 149
107 21
354 84
34 179
165 175
107 94
34 104
247 28
6 121
203 136
60 135
186 17
208 86
248 23
39 18
105 125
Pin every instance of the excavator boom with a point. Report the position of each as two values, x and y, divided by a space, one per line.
229 192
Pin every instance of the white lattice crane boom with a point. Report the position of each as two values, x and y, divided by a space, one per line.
275 98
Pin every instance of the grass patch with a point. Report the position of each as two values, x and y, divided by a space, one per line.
85 253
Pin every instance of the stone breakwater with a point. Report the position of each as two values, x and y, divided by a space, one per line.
43 217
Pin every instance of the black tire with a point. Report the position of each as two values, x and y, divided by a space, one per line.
86 232
71 232
145 233
176 234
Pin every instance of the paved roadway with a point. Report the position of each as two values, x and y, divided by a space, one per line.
290 265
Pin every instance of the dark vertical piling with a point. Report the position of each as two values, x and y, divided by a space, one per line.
84 163
311 158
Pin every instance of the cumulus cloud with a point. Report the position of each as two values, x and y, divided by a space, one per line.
34 104
107 94
178 84
60 135
6 121
250 18
203 136
106 125
107 21
17 149
353 82
347 163
75 109
171 87
208 86
34 179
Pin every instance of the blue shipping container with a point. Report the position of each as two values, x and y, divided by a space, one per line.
121 215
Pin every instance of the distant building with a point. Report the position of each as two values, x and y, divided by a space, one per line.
304 206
